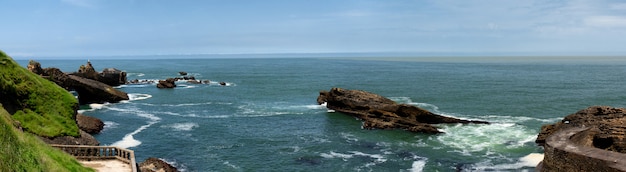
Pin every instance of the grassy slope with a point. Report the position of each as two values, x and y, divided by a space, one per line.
48 110
21 151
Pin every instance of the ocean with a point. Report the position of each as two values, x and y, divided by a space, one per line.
266 117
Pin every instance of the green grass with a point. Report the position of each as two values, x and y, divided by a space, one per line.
20 151
43 108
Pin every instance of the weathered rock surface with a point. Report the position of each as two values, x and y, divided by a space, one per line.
168 83
89 91
379 112
84 139
109 76
156 165
591 139
89 124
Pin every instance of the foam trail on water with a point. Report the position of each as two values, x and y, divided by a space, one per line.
418 166
93 107
129 141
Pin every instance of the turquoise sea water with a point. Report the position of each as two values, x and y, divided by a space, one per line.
267 119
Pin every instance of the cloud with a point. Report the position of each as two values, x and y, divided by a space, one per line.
606 21
81 3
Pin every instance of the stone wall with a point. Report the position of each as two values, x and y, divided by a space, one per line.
564 152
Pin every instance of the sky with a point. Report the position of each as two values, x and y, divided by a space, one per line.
67 28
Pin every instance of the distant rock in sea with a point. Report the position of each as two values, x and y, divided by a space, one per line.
379 112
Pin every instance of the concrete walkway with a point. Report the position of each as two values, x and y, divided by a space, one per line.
107 165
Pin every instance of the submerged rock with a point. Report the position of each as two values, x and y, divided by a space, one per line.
379 112
591 139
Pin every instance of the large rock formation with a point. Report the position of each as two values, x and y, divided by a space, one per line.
156 165
109 76
589 140
89 91
379 112
84 139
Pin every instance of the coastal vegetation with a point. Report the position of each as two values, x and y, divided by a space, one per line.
41 107
22 151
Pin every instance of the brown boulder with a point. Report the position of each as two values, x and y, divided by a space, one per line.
156 165
89 124
168 83
379 112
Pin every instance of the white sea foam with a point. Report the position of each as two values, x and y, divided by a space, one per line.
476 138
377 158
138 96
418 166
109 125
128 140
188 126
93 107
531 160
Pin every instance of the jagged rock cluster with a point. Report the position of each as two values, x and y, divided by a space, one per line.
382 113
89 90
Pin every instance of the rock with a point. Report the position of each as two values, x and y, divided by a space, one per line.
109 76
89 91
182 73
379 112
112 77
35 67
168 83
194 82
156 165
592 139
610 122
223 83
206 81
84 139
89 124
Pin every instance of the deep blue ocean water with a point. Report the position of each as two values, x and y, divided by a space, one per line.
267 119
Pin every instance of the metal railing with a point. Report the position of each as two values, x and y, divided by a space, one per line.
89 153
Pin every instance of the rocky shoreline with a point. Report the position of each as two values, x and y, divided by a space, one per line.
92 87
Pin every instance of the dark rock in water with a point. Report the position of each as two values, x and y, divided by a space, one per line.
206 81
156 165
182 73
109 76
89 124
84 139
89 91
591 139
223 83
379 112
309 160
168 83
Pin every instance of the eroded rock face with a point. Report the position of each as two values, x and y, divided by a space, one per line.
89 124
608 124
156 165
379 112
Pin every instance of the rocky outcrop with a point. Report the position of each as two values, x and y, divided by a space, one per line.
89 124
379 112
168 83
109 76
156 165
589 140
84 139
89 91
